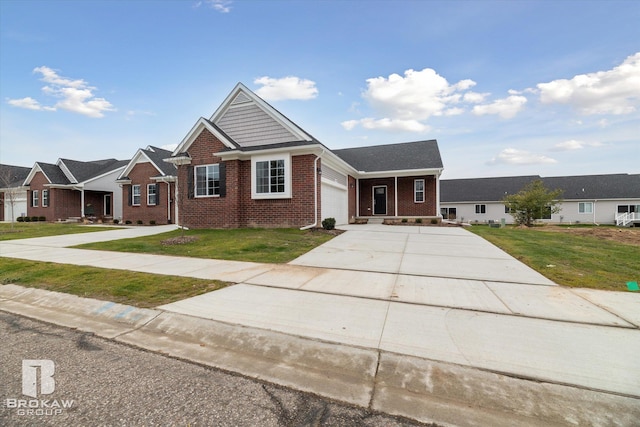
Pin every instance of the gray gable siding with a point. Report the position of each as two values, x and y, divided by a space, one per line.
249 126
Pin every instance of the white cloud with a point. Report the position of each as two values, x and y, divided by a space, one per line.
574 144
76 96
416 96
222 6
387 124
506 108
286 88
615 91
29 103
512 156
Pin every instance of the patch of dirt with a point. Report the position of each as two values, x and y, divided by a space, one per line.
629 236
180 240
334 232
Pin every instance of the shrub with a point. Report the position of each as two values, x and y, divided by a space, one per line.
42 218
434 221
127 222
329 223
418 220
139 222
35 218
20 219
152 222
116 222
404 219
27 219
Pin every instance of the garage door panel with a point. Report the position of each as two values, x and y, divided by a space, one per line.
335 203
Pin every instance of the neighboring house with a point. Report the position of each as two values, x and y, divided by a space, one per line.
148 186
13 196
597 199
75 189
250 166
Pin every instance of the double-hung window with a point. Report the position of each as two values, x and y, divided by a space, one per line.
481 209
45 198
135 195
585 207
271 178
152 196
418 190
34 198
207 182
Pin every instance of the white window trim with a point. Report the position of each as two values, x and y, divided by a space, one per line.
480 213
287 176
415 191
45 199
584 211
133 195
149 195
35 202
195 181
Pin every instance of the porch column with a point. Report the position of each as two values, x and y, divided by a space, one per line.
168 202
82 203
438 213
395 195
357 197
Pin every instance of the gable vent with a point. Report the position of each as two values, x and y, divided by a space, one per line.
240 99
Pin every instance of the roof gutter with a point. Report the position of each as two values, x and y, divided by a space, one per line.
315 193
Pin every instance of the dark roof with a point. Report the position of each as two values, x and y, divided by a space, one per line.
54 173
13 176
616 186
157 156
391 157
83 171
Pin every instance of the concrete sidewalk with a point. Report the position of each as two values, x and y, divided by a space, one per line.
404 304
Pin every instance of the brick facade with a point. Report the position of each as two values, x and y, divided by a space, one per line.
160 213
406 204
236 207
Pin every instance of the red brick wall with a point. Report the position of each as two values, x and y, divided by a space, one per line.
141 175
406 204
62 203
237 208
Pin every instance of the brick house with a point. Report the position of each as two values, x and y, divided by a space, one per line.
250 166
148 187
75 189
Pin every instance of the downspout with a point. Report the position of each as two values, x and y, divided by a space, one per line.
395 194
168 202
315 192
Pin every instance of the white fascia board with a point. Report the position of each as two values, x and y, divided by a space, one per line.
32 173
246 155
66 171
401 172
197 128
288 124
337 163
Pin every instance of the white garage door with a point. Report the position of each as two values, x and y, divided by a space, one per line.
335 203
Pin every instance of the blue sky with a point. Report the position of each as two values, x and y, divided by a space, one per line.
506 87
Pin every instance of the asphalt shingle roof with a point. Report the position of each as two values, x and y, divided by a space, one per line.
392 157
54 173
13 176
157 156
580 187
84 171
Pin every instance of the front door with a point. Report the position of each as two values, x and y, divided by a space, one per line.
380 200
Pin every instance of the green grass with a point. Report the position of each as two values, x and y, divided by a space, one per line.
568 259
27 230
245 244
126 287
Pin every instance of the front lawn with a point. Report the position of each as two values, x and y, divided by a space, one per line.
27 230
273 245
126 287
569 259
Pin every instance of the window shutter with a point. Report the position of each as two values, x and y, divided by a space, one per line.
129 195
222 168
31 198
157 193
189 182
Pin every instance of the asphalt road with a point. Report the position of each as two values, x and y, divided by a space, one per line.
104 383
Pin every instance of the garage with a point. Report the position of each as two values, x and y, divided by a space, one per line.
334 202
